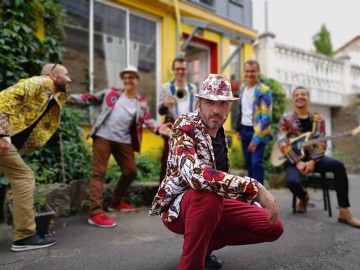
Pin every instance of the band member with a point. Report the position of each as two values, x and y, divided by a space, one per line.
254 120
117 131
292 125
29 116
199 198
176 98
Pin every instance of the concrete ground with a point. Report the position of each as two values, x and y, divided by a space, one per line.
310 241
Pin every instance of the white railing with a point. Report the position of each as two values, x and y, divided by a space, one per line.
328 79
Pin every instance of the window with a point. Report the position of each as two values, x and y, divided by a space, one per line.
121 38
204 2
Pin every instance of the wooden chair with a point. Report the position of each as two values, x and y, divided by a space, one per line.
318 180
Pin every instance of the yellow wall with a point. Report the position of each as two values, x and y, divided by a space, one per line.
164 10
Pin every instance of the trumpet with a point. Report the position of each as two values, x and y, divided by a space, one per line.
181 95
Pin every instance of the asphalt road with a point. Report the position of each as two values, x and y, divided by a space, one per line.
310 241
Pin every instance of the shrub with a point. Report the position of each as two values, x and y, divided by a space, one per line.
22 53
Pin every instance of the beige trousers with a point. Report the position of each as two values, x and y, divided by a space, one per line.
22 181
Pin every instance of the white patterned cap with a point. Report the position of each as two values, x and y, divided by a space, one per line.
130 69
216 87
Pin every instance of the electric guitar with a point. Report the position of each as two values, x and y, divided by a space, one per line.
299 143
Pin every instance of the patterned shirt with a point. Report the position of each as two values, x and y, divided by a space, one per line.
262 113
191 164
22 104
290 127
108 98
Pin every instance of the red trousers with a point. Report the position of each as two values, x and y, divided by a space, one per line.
210 222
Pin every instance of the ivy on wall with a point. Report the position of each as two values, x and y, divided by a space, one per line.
22 53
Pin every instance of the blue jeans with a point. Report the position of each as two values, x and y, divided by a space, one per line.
254 162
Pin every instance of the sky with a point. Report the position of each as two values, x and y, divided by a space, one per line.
295 22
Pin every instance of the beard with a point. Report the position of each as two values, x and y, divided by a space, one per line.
60 87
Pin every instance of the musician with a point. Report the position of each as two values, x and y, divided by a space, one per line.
253 122
293 125
176 98
199 197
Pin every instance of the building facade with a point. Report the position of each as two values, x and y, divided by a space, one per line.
103 37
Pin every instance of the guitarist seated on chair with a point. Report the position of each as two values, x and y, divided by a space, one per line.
311 159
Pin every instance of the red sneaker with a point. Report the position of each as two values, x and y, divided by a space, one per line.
123 207
101 220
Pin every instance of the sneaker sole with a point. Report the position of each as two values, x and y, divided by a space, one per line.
99 225
30 247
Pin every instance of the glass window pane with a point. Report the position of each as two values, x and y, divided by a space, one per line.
76 47
109 45
143 55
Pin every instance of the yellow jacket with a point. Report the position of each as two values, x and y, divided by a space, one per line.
23 103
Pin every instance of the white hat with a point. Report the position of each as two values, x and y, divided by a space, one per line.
130 69
216 87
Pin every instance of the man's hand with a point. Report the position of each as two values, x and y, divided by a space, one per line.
301 166
268 201
310 166
4 146
252 148
169 102
306 167
164 129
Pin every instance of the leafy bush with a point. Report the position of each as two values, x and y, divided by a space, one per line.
148 166
22 54
66 156
236 158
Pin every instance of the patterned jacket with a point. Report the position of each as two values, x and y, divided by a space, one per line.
262 113
23 103
191 164
108 98
290 128
169 89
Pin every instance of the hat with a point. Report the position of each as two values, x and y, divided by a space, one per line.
130 69
216 87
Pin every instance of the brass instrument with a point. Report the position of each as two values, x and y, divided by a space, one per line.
181 95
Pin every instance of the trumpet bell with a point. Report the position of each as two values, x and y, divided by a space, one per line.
181 95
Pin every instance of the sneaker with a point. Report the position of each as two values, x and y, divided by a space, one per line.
212 262
123 207
33 242
101 220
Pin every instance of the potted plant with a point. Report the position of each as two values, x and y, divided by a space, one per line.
43 214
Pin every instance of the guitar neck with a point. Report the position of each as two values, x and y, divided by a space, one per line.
324 138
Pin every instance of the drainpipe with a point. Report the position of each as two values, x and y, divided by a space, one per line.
91 53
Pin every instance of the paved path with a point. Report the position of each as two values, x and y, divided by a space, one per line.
310 241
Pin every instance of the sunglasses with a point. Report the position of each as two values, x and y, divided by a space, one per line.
52 69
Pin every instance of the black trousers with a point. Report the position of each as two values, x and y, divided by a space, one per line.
326 164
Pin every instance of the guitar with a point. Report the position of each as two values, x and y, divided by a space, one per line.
299 143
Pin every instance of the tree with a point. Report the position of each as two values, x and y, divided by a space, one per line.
322 41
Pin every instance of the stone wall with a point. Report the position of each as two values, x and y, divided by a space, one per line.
347 148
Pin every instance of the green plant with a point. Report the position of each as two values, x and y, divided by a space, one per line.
236 158
22 53
148 167
66 156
